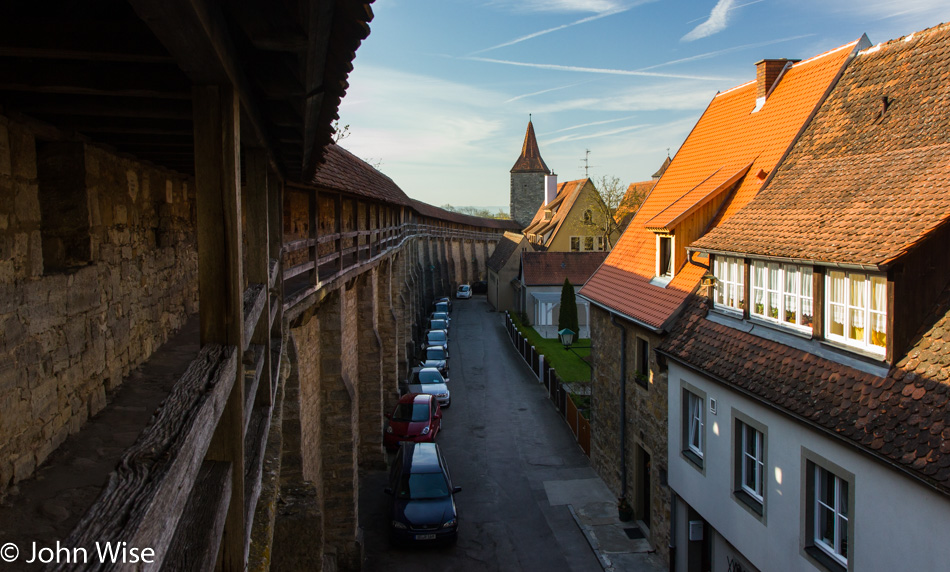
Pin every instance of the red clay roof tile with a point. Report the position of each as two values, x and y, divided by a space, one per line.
869 177
551 268
727 137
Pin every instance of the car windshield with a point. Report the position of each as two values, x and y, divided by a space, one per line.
442 307
437 325
463 288
435 354
420 486
439 316
436 336
430 377
411 412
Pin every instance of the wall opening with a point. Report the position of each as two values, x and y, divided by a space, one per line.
64 205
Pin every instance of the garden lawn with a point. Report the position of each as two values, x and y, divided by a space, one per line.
568 364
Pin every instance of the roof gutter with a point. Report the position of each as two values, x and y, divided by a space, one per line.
805 421
842 265
610 310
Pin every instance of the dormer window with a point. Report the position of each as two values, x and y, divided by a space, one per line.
664 256
730 282
782 293
857 310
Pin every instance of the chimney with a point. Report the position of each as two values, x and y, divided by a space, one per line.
767 74
550 188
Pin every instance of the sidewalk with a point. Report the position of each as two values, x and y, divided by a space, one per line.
619 546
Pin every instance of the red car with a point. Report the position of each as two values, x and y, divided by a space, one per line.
417 418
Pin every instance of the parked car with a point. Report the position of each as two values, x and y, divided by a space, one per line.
423 496
437 357
429 380
435 338
417 417
440 316
480 287
443 300
464 292
438 324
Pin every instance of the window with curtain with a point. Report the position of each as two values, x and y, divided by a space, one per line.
730 282
782 293
857 309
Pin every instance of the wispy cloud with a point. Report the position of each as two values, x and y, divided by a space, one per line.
716 53
671 96
883 9
717 22
543 91
733 8
582 69
554 29
591 124
560 5
598 135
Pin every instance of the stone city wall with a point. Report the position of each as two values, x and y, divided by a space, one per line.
98 266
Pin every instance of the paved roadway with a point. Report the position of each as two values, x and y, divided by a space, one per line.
503 441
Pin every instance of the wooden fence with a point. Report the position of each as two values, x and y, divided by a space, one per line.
557 392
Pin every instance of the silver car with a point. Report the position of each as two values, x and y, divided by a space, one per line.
429 380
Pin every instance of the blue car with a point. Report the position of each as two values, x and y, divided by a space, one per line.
423 501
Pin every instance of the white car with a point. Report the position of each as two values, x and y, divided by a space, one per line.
464 291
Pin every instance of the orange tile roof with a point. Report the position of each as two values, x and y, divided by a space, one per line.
530 159
727 139
628 204
694 199
861 186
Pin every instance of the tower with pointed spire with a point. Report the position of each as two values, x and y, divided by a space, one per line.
527 180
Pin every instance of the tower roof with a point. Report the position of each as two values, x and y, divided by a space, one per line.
530 160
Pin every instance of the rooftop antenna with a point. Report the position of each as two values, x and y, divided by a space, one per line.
586 163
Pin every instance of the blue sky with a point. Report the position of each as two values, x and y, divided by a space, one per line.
442 89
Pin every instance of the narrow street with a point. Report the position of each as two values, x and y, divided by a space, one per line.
503 442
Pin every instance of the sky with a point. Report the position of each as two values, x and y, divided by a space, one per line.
442 90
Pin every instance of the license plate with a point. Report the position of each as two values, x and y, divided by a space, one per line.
425 537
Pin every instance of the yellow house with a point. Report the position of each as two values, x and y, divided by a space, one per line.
571 219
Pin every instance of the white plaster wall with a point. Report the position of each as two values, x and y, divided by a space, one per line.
897 523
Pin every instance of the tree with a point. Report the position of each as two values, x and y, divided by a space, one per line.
340 132
613 197
476 211
567 316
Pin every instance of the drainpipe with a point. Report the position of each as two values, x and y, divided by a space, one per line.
623 406
672 543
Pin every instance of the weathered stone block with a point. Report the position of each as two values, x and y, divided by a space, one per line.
23 466
5 168
22 152
26 203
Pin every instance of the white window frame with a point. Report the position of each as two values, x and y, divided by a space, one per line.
659 241
576 239
847 306
600 244
588 244
695 424
839 513
730 283
756 454
768 279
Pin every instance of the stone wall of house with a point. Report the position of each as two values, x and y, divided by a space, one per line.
98 266
527 195
646 421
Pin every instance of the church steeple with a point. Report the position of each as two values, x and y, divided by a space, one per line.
530 160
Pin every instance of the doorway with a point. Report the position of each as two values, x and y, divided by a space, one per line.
643 497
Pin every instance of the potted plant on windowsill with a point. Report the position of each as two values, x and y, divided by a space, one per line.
624 510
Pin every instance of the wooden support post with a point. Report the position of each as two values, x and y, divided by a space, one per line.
313 220
338 222
256 205
216 111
